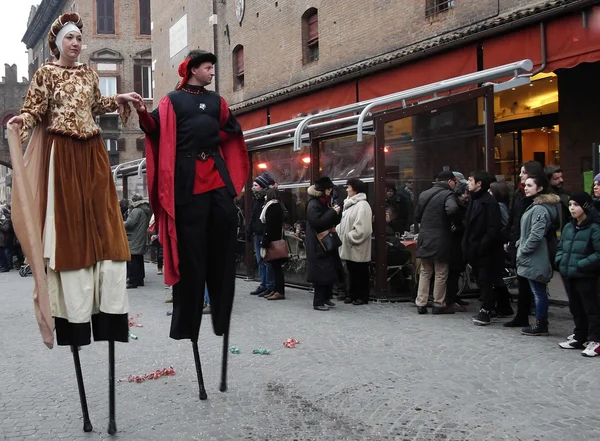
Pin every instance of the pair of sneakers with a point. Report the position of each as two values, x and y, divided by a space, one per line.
590 349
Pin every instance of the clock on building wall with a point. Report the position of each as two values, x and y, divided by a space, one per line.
240 5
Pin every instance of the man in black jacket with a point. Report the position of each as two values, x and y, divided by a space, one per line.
555 176
482 243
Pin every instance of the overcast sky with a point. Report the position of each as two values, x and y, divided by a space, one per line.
12 29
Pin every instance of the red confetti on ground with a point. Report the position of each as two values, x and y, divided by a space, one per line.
291 343
132 323
168 372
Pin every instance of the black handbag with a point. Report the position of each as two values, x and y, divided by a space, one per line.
329 239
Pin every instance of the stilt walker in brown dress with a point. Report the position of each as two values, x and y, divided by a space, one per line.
65 206
196 164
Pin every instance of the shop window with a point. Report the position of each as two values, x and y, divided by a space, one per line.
105 16
344 158
291 171
108 86
144 17
142 80
238 67
538 98
310 36
435 7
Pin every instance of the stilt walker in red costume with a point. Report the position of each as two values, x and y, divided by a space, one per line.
65 208
196 164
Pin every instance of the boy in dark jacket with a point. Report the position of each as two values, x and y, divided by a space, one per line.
578 260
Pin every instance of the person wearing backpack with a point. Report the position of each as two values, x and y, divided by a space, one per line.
578 260
533 248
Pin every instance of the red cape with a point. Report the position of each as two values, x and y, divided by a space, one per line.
160 173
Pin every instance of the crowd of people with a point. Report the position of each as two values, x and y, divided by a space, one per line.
462 223
545 229
11 256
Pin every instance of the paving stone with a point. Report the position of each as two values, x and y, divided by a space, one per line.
374 372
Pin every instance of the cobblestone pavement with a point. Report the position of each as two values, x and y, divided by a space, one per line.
376 372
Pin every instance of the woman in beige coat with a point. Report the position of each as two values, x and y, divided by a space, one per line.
355 231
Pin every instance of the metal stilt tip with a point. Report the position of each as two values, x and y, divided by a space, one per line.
223 387
112 428
87 426
203 395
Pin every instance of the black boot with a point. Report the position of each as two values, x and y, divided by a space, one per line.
540 328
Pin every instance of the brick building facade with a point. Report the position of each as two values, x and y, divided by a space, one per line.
282 60
117 44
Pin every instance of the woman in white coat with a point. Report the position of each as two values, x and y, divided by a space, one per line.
355 231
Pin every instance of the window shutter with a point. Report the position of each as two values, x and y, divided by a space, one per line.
118 77
145 17
121 145
110 16
101 16
105 16
313 28
137 79
240 61
140 144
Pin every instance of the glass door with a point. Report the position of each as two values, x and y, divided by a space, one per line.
413 146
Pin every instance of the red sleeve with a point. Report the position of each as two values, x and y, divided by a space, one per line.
147 123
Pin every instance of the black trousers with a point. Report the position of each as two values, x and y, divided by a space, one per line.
135 270
278 276
206 239
159 255
485 279
342 289
585 308
322 294
452 286
524 300
359 280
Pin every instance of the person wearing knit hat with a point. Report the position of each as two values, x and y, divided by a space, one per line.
264 180
578 260
584 200
79 257
197 164
255 231
596 192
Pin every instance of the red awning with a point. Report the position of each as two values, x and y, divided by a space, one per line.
568 43
252 120
318 101
430 70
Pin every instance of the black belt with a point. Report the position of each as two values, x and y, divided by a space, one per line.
215 155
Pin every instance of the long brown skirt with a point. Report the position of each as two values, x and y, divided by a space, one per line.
87 218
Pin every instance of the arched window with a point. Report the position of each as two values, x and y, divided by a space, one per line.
238 67
310 35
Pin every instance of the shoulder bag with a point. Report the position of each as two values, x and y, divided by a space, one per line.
278 249
329 240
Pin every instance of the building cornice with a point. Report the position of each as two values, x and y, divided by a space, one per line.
44 16
494 26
